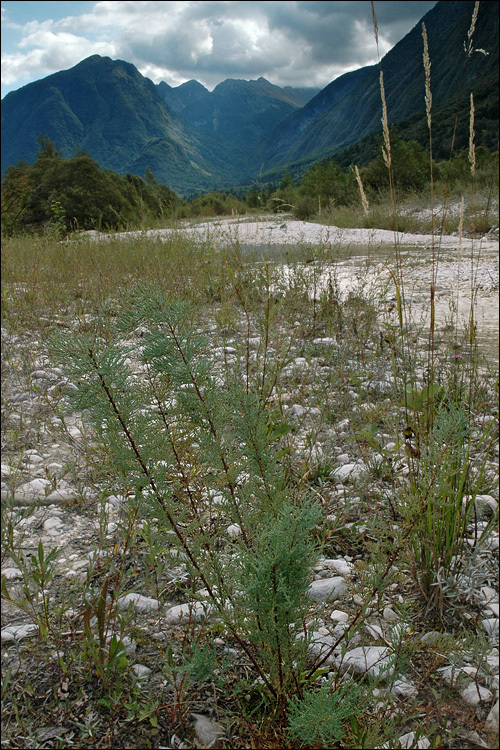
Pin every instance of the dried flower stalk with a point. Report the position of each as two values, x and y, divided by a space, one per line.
427 67
386 148
364 199
472 148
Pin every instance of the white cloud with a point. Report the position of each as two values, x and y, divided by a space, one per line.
291 43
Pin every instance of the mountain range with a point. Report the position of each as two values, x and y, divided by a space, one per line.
196 140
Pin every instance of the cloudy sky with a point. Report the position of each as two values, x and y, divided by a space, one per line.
289 43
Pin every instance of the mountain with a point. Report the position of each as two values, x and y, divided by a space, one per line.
349 108
194 140
242 113
178 97
107 108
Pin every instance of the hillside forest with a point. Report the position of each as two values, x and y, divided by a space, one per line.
58 196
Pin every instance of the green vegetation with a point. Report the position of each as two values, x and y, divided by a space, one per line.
216 393
66 195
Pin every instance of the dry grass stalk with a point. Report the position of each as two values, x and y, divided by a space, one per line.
386 148
364 199
472 148
468 47
427 67
375 24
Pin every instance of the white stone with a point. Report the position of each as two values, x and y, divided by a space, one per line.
141 671
408 740
491 626
207 730
327 588
12 573
296 411
491 724
35 488
349 471
485 505
403 688
319 645
138 602
475 694
339 616
52 523
233 531
185 612
62 495
366 659
492 608
18 632
389 615
340 566
489 594
374 630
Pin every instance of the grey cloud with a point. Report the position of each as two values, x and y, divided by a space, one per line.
290 43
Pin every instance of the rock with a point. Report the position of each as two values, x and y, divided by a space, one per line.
207 730
296 411
52 523
389 615
365 659
233 531
31 491
340 566
491 724
138 603
11 574
327 589
141 671
339 616
349 471
491 626
486 506
319 645
185 612
18 632
408 740
474 694
62 495
403 688
492 608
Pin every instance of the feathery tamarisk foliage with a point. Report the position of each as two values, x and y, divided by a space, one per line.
203 452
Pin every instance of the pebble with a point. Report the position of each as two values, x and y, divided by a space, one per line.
11 574
372 660
18 632
327 588
138 603
207 730
141 671
491 724
389 615
490 625
474 694
233 531
185 612
339 616
349 471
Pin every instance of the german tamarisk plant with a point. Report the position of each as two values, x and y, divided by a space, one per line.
202 452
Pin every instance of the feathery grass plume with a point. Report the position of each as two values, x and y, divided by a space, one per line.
386 148
472 148
468 46
427 67
375 24
364 199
